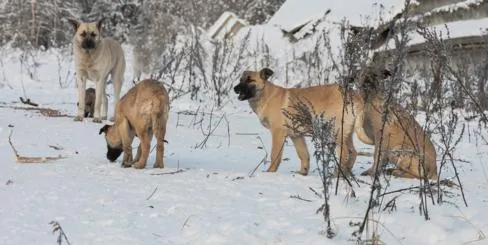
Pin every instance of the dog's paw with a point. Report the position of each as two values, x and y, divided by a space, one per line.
158 165
303 172
367 172
138 166
126 164
272 169
97 120
78 118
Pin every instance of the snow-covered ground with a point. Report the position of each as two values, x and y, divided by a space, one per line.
214 200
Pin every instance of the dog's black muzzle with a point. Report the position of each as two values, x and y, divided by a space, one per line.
245 91
113 153
88 44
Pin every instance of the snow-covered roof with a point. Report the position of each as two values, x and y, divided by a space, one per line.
456 29
435 13
296 12
224 24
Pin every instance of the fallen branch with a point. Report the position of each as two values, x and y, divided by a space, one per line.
149 197
315 192
174 172
247 134
58 148
28 102
300 198
22 159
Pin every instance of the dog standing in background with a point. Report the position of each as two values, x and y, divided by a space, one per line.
96 58
142 112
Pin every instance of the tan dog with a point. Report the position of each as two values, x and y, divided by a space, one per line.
96 58
268 100
142 112
403 142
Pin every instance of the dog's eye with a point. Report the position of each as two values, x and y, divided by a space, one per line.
83 34
250 81
93 34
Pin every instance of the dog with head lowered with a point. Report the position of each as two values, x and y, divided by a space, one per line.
96 58
268 101
142 112
399 139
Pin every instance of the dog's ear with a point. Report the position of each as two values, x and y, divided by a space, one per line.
266 73
74 23
99 23
104 129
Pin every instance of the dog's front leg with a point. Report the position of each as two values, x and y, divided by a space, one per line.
138 154
99 94
104 107
145 145
127 136
278 144
81 85
302 152
127 160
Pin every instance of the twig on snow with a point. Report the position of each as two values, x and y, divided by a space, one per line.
300 198
152 194
22 159
28 101
181 170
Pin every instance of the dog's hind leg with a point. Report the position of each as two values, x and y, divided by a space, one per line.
302 152
277 146
81 85
117 76
409 167
159 127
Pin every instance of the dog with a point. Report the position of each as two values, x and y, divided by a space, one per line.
142 112
268 101
402 142
96 58
89 102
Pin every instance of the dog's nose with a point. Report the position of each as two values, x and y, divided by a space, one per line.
237 89
88 44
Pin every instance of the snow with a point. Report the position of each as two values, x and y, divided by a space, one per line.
214 200
455 6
